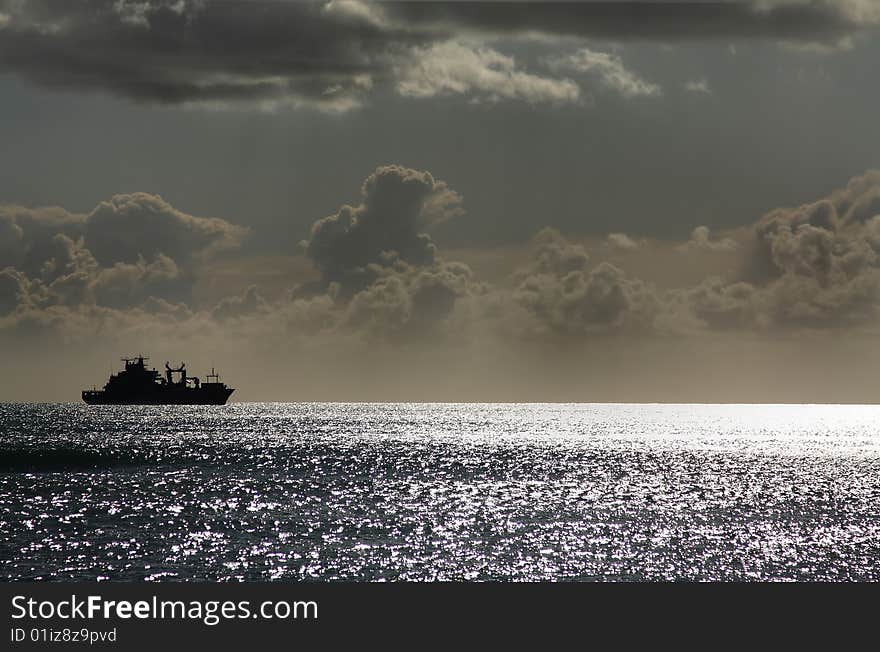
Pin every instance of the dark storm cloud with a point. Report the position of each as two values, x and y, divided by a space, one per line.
171 51
332 55
798 20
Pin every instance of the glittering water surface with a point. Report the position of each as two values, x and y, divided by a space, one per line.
426 492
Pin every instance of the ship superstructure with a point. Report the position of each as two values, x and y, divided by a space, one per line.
138 384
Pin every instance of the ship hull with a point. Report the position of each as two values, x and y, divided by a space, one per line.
188 396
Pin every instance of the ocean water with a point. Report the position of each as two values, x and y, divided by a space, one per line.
440 492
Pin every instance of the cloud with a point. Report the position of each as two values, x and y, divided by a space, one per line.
131 284
407 301
129 266
247 304
698 87
715 303
378 264
121 229
480 72
327 56
609 69
559 293
701 240
27 234
13 290
823 21
810 266
398 205
334 55
318 54
814 266
384 282
554 255
140 224
127 250
621 242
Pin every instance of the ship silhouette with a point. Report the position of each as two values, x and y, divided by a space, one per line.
138 385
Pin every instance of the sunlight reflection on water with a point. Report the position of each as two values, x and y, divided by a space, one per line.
440 491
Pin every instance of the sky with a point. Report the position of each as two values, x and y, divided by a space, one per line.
428 201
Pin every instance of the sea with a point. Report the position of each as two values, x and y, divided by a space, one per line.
432 492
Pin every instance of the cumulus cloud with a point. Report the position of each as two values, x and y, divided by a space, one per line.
807 267
127 250
554 255
701 240
140 224
609 69
131 263
621 242
559 293
379 266
27 235
13 290
121 229
127 284
247 304
814 266
398 205
407 301
716 303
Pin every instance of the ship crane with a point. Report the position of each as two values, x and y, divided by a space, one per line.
180 370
